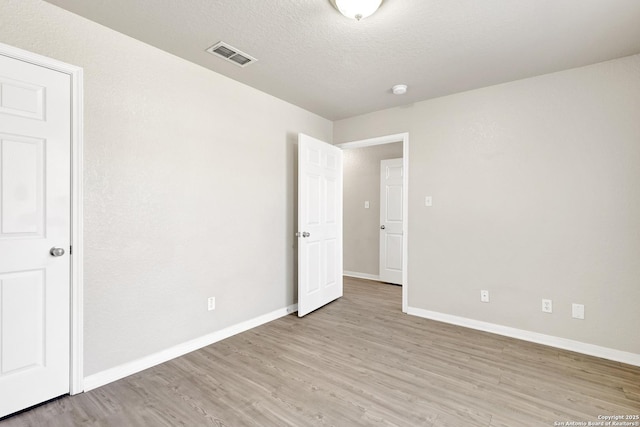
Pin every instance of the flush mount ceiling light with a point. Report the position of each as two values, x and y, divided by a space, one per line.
399 89
357 9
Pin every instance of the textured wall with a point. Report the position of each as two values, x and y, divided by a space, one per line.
362 226
188 183
536 195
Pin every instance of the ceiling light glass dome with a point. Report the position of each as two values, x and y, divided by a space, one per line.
357 9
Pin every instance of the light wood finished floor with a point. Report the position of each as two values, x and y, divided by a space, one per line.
358 361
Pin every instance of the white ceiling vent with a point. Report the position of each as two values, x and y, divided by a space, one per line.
231 54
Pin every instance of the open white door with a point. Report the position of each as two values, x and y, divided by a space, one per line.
391 219
319 224
35 235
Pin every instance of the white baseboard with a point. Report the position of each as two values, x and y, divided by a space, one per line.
562 343
361 275
105 377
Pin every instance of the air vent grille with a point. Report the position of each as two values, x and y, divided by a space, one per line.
231 54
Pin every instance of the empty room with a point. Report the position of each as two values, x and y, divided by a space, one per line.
320 212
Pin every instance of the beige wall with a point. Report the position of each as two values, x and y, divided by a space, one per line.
536 194
362 226
188 184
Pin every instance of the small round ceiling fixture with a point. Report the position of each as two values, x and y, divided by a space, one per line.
357 9
399 89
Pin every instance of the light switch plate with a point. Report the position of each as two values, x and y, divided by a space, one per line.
428 201
366 204
577 311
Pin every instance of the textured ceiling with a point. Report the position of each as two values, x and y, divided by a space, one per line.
310 55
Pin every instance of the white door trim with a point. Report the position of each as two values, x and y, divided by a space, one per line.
388 139
76 286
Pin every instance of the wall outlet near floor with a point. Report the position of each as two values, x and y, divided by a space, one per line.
547 306
211 303
484 295
577 311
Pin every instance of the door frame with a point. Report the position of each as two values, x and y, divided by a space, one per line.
388 139
76 285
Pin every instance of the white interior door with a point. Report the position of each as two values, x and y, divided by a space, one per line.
35 132
391 221
319 224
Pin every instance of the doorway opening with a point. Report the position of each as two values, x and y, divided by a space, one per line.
363 225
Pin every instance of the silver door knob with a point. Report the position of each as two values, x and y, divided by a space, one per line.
382 227
306 234
56 251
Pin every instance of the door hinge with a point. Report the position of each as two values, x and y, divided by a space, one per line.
71 250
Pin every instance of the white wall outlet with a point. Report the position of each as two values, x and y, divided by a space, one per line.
577 311
547 306
211 303
428 201
484 295
366 204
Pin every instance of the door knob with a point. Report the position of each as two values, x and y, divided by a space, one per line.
306 234
382 227
56 251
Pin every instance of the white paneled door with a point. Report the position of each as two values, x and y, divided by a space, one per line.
319 224
391 221
35 146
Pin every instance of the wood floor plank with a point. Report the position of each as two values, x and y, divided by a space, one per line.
358 361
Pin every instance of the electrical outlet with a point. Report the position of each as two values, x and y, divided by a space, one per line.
577 311
547 306
484 295
211 303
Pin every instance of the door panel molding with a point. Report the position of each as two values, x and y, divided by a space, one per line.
76 286
388 139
